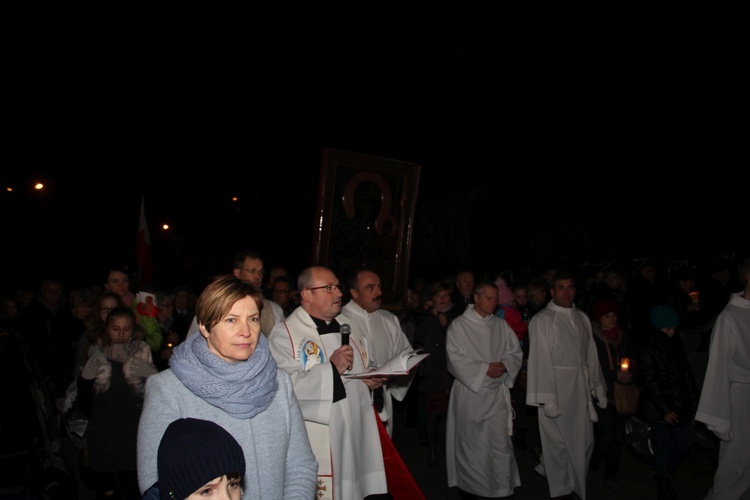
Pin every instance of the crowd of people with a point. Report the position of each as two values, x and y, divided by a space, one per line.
516 363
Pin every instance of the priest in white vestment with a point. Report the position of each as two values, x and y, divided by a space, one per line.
382 330
484 356
563 375
339 416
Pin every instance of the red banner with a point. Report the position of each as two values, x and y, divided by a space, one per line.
143 261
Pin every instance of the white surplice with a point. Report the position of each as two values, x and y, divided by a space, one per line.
344 435
563 370
479 450
385 339
725 398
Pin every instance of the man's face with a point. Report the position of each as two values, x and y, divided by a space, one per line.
368 293
563 293
485 303
251 271
317 301
275 273
282 293
465 283
52 292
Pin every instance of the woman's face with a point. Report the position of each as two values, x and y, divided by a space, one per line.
105 306
442 300
119 283
120 330
235 337
608 321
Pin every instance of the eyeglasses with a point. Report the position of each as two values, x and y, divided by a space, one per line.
261 272
329 288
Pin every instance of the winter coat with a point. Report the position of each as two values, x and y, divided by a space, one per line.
665 378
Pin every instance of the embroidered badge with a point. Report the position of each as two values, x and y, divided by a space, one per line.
310 354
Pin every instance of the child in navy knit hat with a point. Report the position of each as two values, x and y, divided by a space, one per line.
198 458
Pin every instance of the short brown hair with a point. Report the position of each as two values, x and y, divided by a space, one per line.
219 296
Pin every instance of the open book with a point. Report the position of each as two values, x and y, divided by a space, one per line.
400 364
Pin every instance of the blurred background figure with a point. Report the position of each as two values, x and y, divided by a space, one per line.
669 396
613 345
273 273
111 387
50 330
118 280
463 291
434 379
645 291
284 293
184 310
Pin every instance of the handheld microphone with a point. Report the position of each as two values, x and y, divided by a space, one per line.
345 331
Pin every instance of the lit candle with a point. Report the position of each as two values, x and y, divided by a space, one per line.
625 364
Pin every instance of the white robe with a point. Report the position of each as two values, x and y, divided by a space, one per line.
479 450
563 369
354 456
385 339
725 398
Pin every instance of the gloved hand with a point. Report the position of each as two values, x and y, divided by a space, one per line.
141 368
723 435
601 402
551 410
94 367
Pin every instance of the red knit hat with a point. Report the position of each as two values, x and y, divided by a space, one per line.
602 307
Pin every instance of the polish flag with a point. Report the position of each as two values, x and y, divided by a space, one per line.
144 263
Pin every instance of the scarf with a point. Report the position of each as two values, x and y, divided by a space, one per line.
243 388
613 334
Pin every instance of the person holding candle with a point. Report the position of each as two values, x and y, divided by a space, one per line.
614 347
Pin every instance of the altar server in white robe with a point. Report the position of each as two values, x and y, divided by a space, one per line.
563 375
338 412
725 399
485 357
385 338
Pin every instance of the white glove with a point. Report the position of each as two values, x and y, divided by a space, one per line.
723 435
140 368
93 368
601 402
551 410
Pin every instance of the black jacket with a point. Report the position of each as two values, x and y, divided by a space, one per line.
665 378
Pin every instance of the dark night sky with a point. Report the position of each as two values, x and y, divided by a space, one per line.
623 134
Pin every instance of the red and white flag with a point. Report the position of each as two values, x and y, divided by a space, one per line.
144 263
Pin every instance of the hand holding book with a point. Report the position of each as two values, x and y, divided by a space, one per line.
400 364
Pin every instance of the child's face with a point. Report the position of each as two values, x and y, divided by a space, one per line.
120 330
221 488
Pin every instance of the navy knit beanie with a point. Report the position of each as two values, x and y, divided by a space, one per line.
664 317
193 452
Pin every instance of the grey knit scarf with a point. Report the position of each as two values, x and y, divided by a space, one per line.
243 388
